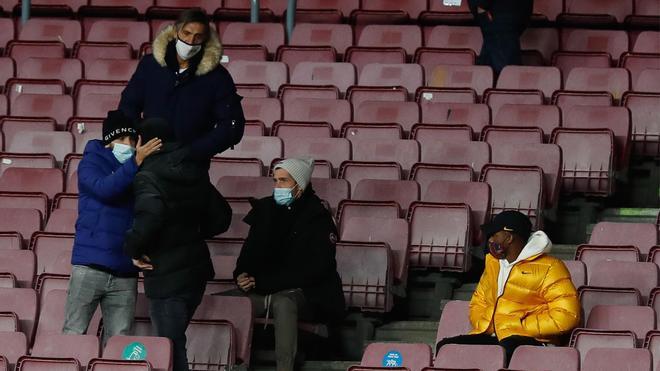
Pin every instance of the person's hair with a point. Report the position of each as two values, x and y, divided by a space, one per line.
194 15
156 128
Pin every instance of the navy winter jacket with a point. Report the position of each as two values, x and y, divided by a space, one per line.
201 103
105 209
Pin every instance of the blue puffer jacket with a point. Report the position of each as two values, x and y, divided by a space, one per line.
200 103
105 209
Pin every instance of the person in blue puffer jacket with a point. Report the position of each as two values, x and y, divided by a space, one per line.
102 273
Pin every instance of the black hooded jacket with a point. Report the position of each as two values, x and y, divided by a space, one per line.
294 247
176 209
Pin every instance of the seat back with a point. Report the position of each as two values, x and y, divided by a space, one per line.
641 235
23 302
157 350
483 357
528 357
454 320
638 319
640 275
80 347
410 355
607 358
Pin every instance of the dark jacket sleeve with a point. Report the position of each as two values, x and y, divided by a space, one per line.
318 255
250 247
149 216
105 187
217 218
132 98
229 125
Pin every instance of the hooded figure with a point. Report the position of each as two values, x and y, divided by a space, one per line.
183 83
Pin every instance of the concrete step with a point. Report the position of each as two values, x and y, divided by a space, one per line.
407 332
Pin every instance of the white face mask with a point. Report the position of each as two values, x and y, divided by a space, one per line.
185 50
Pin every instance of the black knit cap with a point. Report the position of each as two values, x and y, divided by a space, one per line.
510 221
117 125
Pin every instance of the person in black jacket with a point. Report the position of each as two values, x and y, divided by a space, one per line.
176 209
502 22
287 264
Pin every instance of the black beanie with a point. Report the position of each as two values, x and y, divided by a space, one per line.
117 125
156 128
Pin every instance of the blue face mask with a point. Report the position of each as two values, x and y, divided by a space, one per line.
283 196
122 152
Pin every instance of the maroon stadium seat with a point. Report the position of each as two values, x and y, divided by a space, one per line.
341 75
22 50
475 115
544 41
108 30
615 81
491 357
408 37
81 347
332 191
333 111
614 43
349 209
84 130
270 35
234 166
58 107
641 235
406 114
23 221
528 357
265 149
454 320
596 12
638 319
354 171
445 14
496 98
360 56
646 40
413 356
272 74
356 95
339 36
13 345
545 117
117 365
606 358
111 69
430 135
477 78
88 51
20 263
266 110
503 136
16 200
245 186
23 302
591 296
294 55
645 114
473 154
289 92
159 353
44 29
548 10
455 37
545 79
617 274
58 143
578 272
53 251
333 150
410 76
404 152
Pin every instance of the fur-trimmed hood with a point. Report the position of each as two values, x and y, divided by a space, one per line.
212 50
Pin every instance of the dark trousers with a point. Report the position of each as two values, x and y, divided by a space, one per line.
509 344
170 318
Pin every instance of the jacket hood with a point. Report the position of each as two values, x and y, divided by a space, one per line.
171 164
538 244
212 50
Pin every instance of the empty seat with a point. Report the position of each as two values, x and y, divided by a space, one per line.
11 126
455 37
109 30
440 236
591 296
96 105
428 58
14 200
301 130
245 186
647 82
39 161
567 61
645 118
13 345
354 171
491 357
454 320
211 344
111 69
84 130
545 117
360 56
158 354
544 41
405 114
88 52
43 29
412 356
58 107
594 12
265 149
586 339
270 35
7 25
640 275
430 135
496 98
62 221
641 235
587 160
529 357
53 251
289 92
333 111
473 154
272 74
646 40
48 181
474 194
10 241
517 188
578 272
502 136
23 221
638 319
22 50
566 99
16 87
266 110
404 152
366 273
23 302
637 64
614 43
617 359
545 79
45 364
477 116
547 10
615 81
81 347
116 365
52 314
438 12
408 37
341 75
404 192
339 36
477 78
332 191
365 209
356 95
59 144
389 8
652 343
20 263
546 156
228 166
410 76
333 150
294 55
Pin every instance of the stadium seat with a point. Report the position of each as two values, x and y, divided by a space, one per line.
43 29
566 100
354 171
445 95
429 58
595 12
272 74
80 347
354 130
58 107
53 251
356 95
490 357
429 135
645 42
211 344
31 363
349 209
606 358
270 35
366 273
333 111
617 274
334 150
586 339
475 115
645 116
159 353
52 314
292 129
637 64
84 130
88 52
11 126
62 221
403 192
529 357
96 105
476 78
39 161
270 8
473 154
15 200
439 13
229 166
117 365
503 136
567 61
294 55
23 302
578 272
23 221
360 56
265 149
544 41
14 345
20 263
474 194
342 7
406 114
454 320
65 201
404 152
641 235
544 79
244 53
245 186
109 30
407 37
545 117
7 69
341 75
289 92
455 37
15 87
496 98
411 8
638 319
70 166
591 296
518 188
110 69
331 190
615 81
647 81
266 110
547 11
339 36
587 160
413 356
410 76
440 236
58 143
611 42
8 28
10 241
19 51
392 231
9 321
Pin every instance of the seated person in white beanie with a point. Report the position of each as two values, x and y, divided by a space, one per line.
287 265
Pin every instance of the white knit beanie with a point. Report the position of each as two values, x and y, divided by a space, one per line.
300 169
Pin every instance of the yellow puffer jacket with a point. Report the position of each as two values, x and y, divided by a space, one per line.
539 299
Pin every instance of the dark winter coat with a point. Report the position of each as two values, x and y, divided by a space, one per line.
294 247
201 103
176 209
507 15
105 209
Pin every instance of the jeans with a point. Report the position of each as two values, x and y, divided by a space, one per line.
170 318
90 287
509 344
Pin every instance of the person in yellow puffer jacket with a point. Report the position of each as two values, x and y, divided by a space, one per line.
524 296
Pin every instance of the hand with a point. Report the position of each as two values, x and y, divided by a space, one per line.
245 282
144 151
144 263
